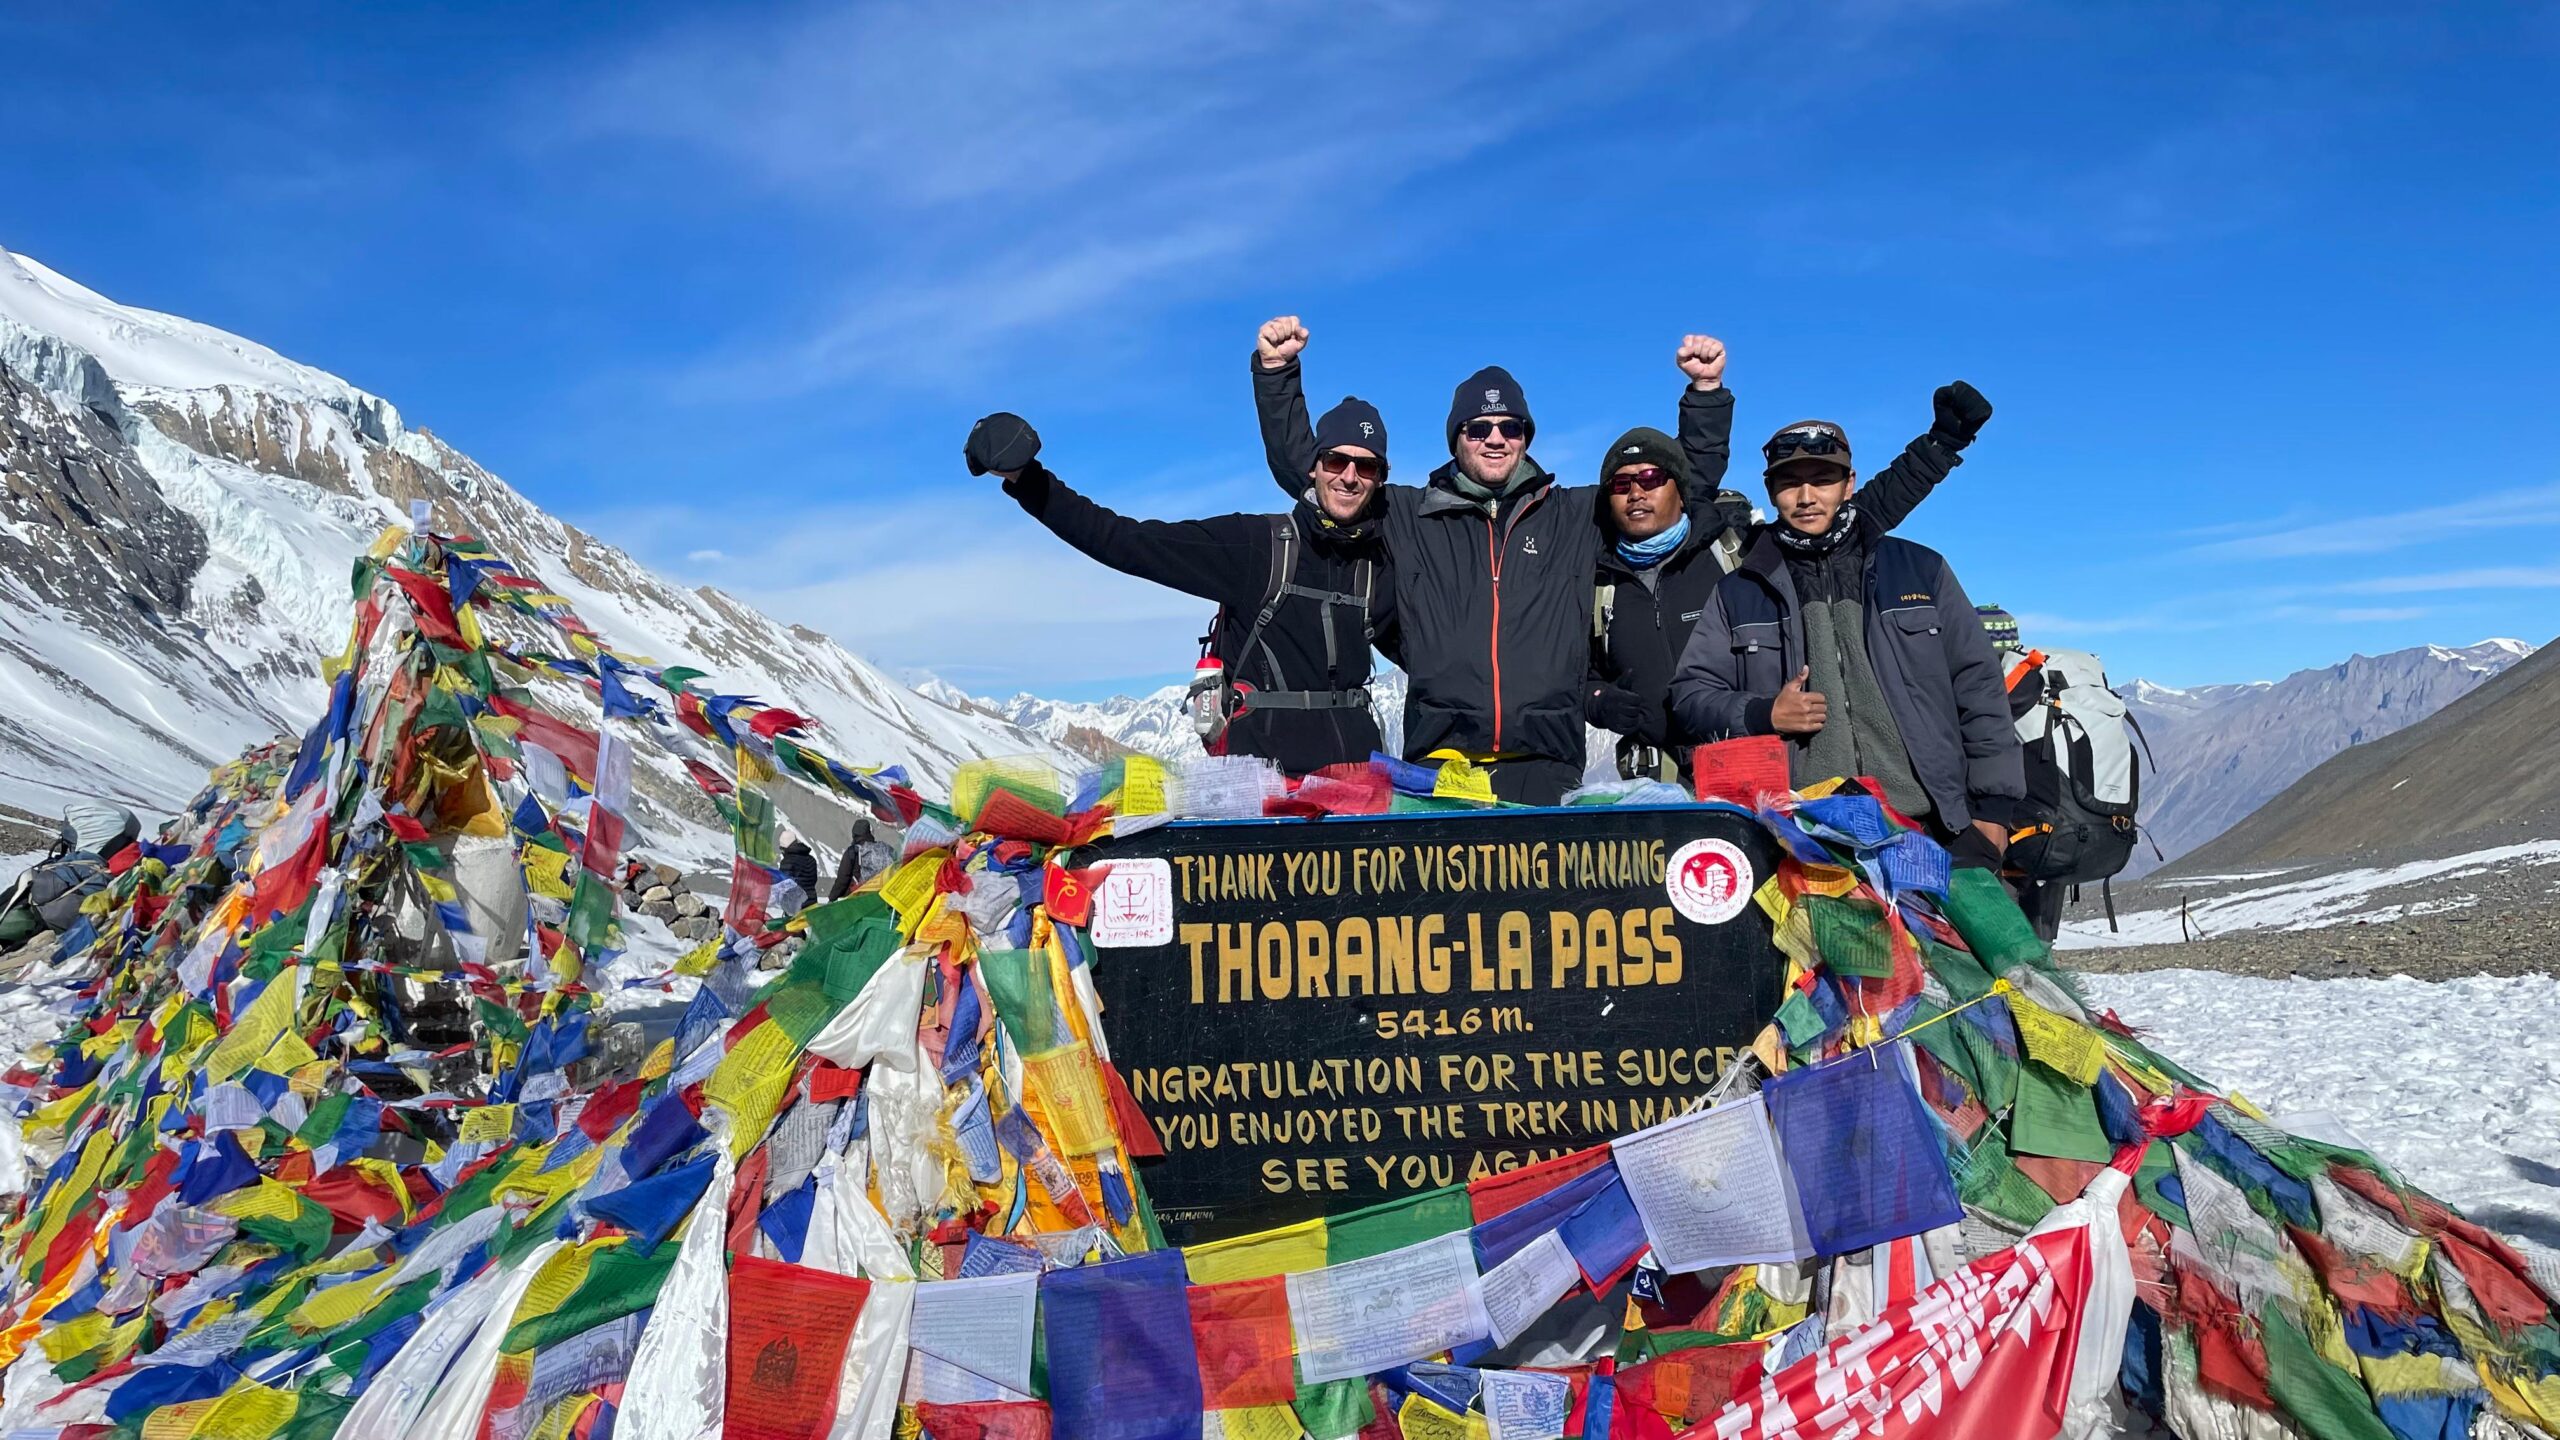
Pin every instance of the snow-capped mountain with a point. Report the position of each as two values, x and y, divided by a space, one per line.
2225 750
179 511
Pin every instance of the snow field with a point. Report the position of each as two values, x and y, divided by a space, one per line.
2455 1084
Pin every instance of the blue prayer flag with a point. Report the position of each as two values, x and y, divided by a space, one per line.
1121 1362
1863 1151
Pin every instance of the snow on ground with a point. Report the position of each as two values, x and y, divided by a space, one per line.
2309 903
2454 1083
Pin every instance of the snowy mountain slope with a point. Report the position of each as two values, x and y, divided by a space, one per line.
181 510
2490 760
2225 750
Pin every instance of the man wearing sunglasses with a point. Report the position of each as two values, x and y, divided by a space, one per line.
1301 597
1494 563
1666 558
1860 648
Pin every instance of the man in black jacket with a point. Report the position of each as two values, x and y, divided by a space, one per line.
1298 651
1659 574
1860 648
1494 563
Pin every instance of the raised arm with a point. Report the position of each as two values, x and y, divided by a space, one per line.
1887 500
1196 557
1280 403
1706 421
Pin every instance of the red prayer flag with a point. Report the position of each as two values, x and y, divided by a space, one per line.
1007 814
986 1420
1241 1331
1741 771
750 887
773 720
789 1326
433 602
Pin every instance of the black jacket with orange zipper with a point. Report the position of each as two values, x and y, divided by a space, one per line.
1493 601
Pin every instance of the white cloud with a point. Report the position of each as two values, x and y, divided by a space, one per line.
705 557
996 173
2501 512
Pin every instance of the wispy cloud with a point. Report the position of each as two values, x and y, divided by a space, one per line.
2487 577
2506 511
990 173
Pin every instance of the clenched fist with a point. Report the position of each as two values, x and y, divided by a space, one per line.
1701 358
1279 342
1959 414
1799 711
1002 443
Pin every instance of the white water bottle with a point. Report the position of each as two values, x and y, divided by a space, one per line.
1207 699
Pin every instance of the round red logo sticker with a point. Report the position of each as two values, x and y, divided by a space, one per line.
1709 880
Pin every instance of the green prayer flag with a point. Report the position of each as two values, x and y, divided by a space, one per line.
1851 936
619 1282
1396 1224
676 677
1018 983
2327 1401
1334 1410
2055 1117
1993 927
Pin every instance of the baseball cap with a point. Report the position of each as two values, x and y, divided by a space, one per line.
1814 441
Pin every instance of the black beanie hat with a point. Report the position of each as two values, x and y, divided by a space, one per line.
1353 422
1645 445
1489 391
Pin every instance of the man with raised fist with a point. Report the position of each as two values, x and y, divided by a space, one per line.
1859 648
1667 558
1302 596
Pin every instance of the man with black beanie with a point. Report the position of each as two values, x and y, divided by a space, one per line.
1302 597
1494 563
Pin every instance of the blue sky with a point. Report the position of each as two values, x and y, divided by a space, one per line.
2263 294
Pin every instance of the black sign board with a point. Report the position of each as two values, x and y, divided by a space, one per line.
1319 1016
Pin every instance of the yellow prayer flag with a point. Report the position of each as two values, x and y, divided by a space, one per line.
910 886
1422 1419
1070 1087
1142 786
546 871
1259 1256
488 1125
1462 779
255 1030
1260 1422
2069 1047
750 1081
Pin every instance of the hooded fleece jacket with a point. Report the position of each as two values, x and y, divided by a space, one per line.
1940 678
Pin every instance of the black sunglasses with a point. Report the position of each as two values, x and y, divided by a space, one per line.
1648 479
1804 442
1370 467
1484 429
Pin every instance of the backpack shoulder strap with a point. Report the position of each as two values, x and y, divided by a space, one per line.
1284 565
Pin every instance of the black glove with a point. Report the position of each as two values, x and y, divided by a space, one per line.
1003 442
1961 411
1621 711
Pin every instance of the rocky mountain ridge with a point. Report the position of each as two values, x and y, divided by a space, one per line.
179 509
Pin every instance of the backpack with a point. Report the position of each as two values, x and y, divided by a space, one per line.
1241 696
2084 780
